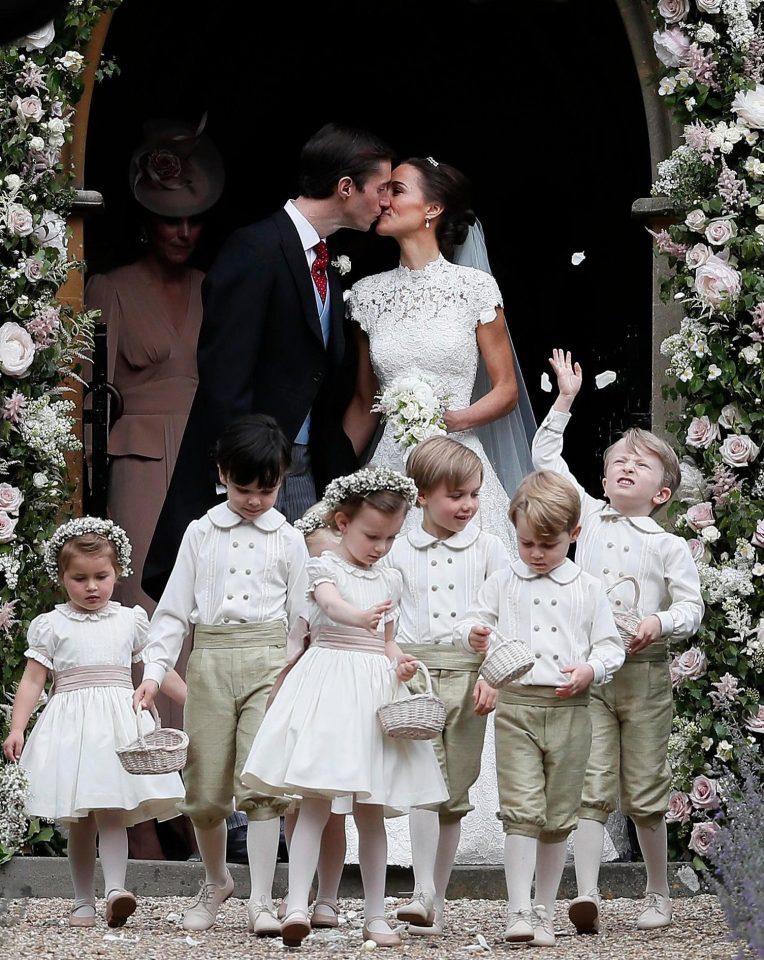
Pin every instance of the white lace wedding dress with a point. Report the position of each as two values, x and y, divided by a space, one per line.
426 320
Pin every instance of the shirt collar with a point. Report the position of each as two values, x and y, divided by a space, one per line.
419 538
222 516
564 574
645 524
308 235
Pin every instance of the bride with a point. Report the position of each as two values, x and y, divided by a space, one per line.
446 320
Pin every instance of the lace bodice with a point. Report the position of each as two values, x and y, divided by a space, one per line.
426 320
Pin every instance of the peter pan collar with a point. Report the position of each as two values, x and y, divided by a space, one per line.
645 524
564 574
420 539
222 516
365 573
72 613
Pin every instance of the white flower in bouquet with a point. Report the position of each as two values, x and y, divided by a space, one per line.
749 106
414 406
14 788
16 350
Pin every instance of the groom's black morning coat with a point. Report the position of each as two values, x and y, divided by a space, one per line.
260 351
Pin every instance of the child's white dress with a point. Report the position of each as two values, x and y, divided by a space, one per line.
70 754
321 736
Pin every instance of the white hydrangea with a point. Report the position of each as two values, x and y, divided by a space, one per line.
14 790
724 581
46 427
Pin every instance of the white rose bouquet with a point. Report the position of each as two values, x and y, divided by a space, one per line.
414 406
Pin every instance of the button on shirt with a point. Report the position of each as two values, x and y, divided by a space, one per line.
441 579
228 571
563 616
612 546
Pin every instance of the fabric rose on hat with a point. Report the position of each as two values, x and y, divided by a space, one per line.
749 106
704 794
671 46
16 350
679 808
701 433
702 837
700 515
716 281
738 450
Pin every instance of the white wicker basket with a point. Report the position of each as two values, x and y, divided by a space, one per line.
628 620
505 662
160 751
418 717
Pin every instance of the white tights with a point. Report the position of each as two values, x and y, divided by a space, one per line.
262 850
433 850
108 826
331 857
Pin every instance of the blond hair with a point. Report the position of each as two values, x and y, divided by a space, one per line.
87 545
638 439
442 460
549 502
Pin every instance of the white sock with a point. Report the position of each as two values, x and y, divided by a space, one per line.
112 848
587 851
331 861
519 864
303 853
424 831
550 860
81 850
212 848
372 858
653 843
450 833
262 850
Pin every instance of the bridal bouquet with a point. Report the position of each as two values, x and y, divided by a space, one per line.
414 406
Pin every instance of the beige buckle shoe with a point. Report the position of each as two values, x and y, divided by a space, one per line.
85 919
295 928
120 904
436 930
657 912
519 926
203 912
263 921
543 931
584 912
420 909
390 939
325 921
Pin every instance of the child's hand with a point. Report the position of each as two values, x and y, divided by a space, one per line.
406 667
478 638
648 632
144 695
369 619
569 376
484 698
13 745
581 675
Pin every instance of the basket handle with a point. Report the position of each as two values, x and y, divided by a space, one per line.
427 680
631 580
154 713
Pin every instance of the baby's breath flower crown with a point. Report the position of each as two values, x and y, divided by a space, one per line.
78 528
367 481
308 524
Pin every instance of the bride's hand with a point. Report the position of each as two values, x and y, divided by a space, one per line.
455 420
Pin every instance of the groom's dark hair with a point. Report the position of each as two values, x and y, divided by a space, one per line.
334 152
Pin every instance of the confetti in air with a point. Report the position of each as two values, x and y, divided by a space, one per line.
546 383
578 258
605 378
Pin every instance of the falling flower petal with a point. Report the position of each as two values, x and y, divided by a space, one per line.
689 878
578 258
546 383
605 378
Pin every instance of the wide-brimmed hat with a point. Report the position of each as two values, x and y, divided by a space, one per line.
177 171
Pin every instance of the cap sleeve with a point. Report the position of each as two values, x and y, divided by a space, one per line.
394 581
357 309
41 641
486 298
321 570
140 633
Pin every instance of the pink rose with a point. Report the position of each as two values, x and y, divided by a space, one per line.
164 165
720 231
700 515
673 11
756 723
729 418
702 837
696 256
704 794
738 450
11 498
671 46
28 109
679 808
758 534
7 527
699 550
20 222
690 665
674 674
715 281
701 433
33 270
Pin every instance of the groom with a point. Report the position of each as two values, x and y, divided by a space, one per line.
273 338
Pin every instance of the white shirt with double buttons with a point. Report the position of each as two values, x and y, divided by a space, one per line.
612 546
441 579
228 571
563 616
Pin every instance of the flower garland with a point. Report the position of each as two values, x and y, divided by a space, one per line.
712 53
78 528
367 481
42 341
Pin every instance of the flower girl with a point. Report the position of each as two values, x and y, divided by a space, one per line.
321 738
75 776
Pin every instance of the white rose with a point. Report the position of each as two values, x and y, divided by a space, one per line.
51 232
20 223
701 433
709 6
751 354
671 46
710 534
38 39
72 61
16 350
758 534
706 34
40 480
7 527
696 220
673 11
56 125
13 183
720 231
28 109
749 106
715 281
738 450
696 256
730 417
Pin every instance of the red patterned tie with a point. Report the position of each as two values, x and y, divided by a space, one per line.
318 270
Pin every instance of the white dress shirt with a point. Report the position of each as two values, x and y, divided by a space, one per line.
228 571
307 232
563 616
441 579
612 546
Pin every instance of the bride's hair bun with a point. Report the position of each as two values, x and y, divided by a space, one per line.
444 184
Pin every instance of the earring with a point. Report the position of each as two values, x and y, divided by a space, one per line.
427 222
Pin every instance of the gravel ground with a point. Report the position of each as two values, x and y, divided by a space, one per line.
37 929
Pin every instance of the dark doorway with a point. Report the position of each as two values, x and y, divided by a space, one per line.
539 103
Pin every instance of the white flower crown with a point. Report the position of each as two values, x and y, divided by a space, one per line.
370 480
78 528
308 524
